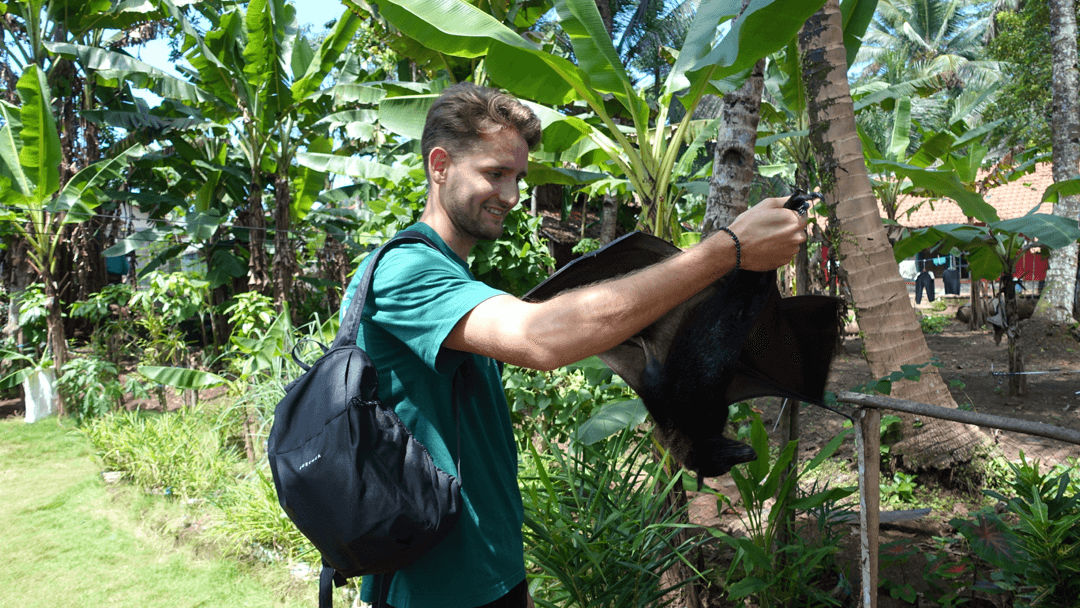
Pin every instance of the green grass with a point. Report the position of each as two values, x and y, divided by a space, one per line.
67 541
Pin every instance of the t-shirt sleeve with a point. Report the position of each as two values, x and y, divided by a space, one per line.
419 296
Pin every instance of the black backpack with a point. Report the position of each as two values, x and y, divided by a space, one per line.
347 471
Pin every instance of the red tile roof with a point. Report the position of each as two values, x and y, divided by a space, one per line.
1014 199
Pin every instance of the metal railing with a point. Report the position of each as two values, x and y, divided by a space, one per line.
867 418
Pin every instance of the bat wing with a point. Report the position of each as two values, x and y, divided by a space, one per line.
624 255
787 352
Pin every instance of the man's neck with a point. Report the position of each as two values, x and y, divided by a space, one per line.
442 225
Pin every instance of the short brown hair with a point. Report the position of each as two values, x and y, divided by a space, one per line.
465 111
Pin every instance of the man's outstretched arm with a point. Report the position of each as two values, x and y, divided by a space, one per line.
590 320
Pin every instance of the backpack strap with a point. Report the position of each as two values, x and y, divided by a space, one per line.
328 579
350 325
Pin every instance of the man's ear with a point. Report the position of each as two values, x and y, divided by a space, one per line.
438 162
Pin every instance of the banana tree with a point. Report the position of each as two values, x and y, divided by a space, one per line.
614 127
992 246
26 26
34 202
255 76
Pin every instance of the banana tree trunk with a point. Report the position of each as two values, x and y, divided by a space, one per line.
258 277
1058 303
54 326
892 335
284 254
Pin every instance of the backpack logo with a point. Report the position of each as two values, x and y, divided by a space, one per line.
308 463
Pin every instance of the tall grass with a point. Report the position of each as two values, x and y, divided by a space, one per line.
600 530
186 452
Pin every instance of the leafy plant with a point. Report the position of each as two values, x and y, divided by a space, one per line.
782 574
599 527
900 489
253 519
249 312
944 574
90 387
33 310
106 310
933 324
554 403
167 300
1035 547
181 453
519 260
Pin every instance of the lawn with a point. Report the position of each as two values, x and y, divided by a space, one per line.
70 540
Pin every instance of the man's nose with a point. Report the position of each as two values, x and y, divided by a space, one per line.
509 193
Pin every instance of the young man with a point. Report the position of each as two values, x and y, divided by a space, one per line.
428 322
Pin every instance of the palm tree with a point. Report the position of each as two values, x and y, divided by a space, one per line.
892 336
1058 302
936 44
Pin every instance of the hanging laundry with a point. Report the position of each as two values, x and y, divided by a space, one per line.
951 279
925 281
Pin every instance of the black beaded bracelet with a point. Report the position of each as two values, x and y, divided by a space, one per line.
738 247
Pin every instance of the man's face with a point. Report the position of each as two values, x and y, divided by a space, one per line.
483 183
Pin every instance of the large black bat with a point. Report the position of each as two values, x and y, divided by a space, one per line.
735 340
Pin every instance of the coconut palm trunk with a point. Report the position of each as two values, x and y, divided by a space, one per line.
891 333
1058 301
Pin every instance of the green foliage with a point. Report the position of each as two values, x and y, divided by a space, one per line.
946 572
556 403
167 300
898 490
802 571
249 312
1034 547
585 245
599 524
90 387
264 349
891 428
175 297
933 324
33 308
113 324
187 452
252 519
519 260
1021 44
883 385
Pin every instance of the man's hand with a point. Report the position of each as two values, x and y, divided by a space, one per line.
769 235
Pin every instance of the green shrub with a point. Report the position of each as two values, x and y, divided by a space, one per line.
802 571
516 262
554 404
183 453
1034 548
599 527
253 522
90 387
933 324
113 325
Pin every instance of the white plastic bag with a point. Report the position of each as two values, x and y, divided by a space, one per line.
40 390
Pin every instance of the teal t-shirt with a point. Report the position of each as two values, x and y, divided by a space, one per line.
417 297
